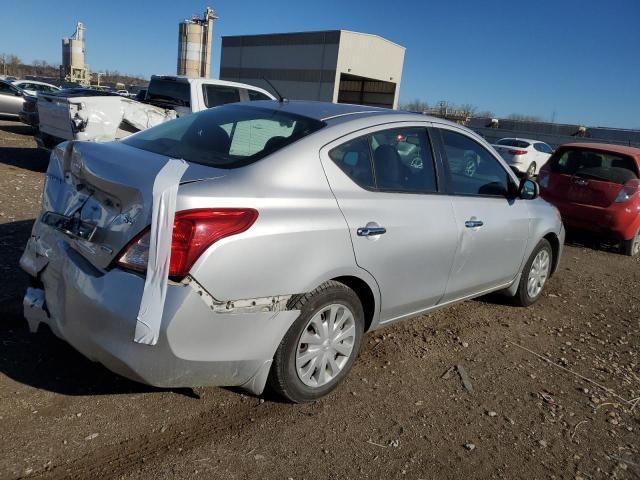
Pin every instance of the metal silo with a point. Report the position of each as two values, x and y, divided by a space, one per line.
73 68
194 45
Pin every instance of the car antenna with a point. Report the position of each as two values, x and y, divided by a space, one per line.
281 99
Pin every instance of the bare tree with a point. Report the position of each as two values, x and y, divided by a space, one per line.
415 106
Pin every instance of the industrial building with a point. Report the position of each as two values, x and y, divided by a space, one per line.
334 66
194 45
73 69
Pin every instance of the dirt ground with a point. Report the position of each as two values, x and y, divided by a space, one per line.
398 415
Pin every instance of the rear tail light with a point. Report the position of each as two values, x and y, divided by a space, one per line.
193 232
628 190
518 152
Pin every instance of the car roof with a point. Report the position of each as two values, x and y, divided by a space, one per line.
327 111
209 81
530 140
605 147
18 82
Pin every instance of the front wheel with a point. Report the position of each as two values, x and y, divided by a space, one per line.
631 247
320 347
535 274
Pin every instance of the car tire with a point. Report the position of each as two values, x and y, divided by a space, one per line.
631 247
531 171
330 352
535 274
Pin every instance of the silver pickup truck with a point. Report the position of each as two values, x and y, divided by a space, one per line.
83 114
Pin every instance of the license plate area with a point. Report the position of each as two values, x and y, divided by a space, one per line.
71 226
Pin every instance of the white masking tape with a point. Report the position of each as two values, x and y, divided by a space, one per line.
165 193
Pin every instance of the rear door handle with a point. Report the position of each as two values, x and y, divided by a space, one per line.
473 223
371 231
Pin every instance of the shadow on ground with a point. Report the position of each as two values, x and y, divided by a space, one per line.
41 360
28 158
18 128
583 239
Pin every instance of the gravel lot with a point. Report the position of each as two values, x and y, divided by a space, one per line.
398 415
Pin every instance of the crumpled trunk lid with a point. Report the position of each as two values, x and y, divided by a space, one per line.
99 196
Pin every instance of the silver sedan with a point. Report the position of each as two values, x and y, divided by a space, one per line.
255 244
11 99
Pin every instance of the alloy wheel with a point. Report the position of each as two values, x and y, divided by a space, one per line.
326 344
635 246
538 273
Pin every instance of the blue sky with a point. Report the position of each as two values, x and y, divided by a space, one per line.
577 58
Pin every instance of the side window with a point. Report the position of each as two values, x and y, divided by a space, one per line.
5 89
542 147
215 95
354 159
397 160
254 95
472 169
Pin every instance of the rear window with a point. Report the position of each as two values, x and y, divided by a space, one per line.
512 142
595 165
216 95
170 92
229 136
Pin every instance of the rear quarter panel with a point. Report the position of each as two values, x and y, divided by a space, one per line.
299 240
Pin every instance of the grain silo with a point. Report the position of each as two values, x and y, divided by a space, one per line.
194 45
73 68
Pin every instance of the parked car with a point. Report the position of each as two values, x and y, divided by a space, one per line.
31 87
298 227
11 99
141 95
523 154
122 92
595 187
29 112
102 119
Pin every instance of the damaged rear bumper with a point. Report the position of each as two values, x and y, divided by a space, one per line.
95 311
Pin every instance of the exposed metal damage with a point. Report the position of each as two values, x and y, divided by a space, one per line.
251 305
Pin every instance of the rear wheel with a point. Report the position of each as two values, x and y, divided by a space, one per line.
535 274
531 171
320 347
631 247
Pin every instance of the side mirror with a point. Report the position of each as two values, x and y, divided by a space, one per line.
529 189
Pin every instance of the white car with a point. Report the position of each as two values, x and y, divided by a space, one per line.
33 87
523 154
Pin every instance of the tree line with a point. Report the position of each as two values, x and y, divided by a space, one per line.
12 66
446 109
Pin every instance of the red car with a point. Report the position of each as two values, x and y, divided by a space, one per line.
596 188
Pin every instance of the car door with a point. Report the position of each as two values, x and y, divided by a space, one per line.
402 228
10 99
493 226
543 153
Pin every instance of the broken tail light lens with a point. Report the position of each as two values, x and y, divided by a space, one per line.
193 232
628 190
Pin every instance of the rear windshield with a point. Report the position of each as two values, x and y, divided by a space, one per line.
595 165
512 142
229 136
170 92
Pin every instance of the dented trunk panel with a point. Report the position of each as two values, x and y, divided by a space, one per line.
109 186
